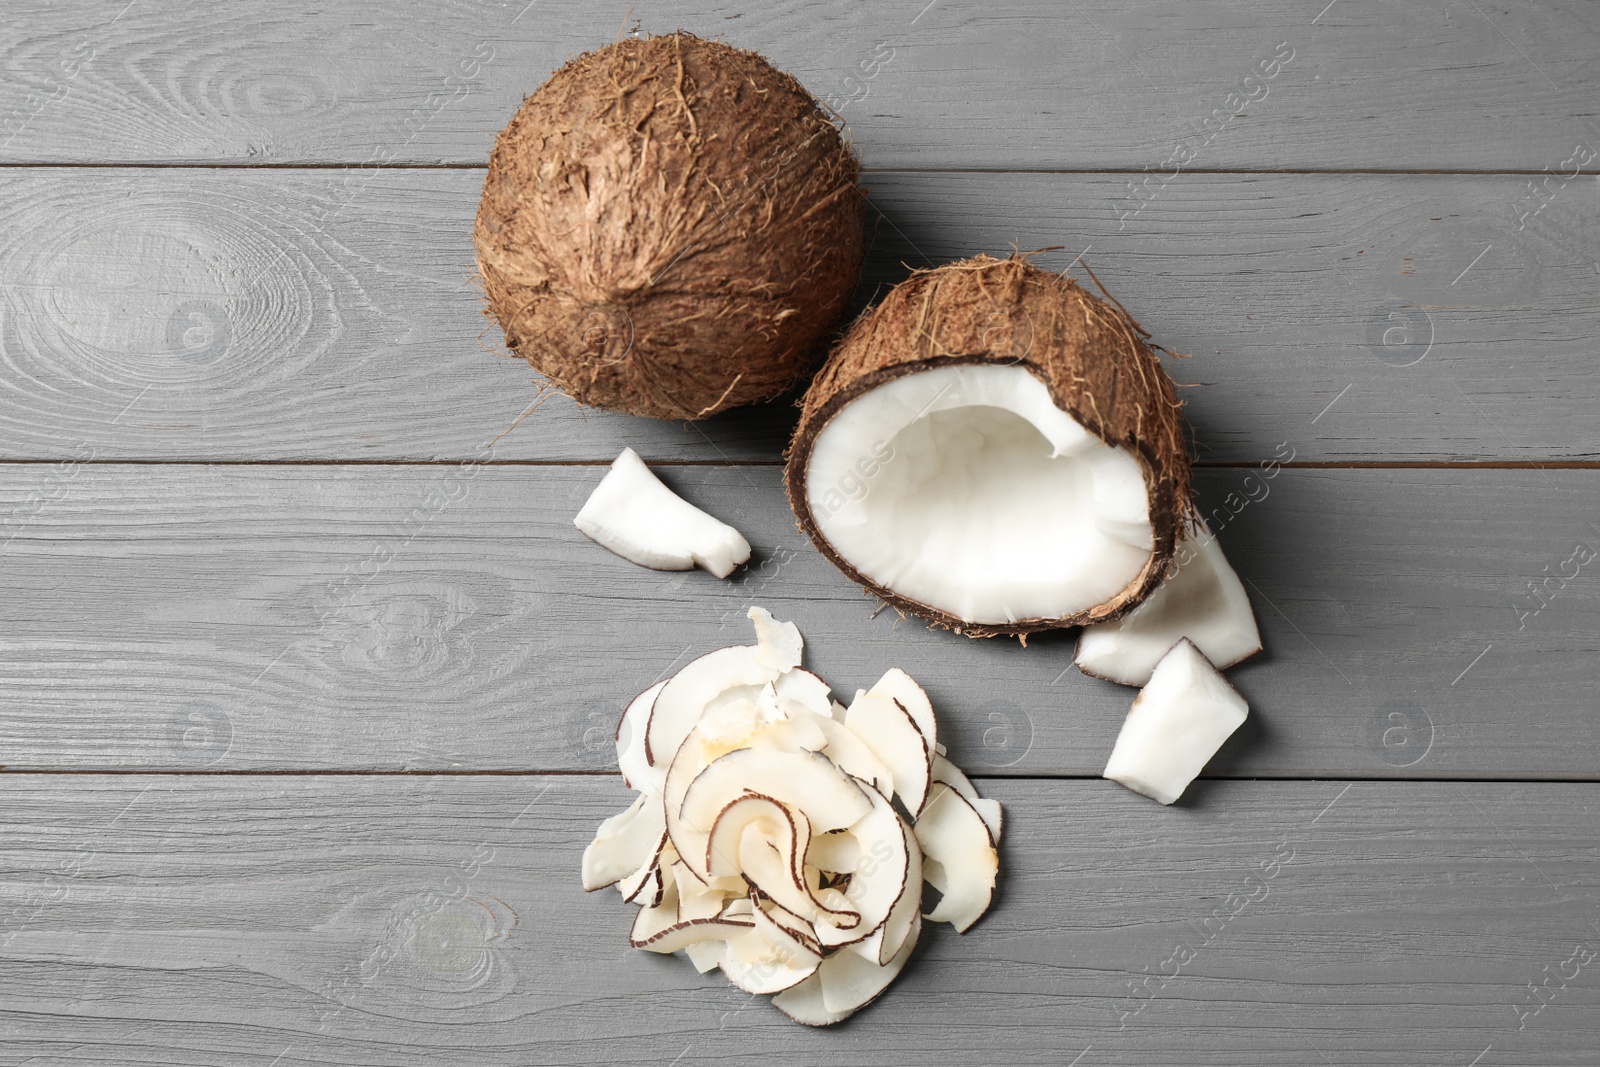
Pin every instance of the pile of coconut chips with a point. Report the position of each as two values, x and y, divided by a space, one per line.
785 838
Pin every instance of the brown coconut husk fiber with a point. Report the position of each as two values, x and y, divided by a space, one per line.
1096 361
670 227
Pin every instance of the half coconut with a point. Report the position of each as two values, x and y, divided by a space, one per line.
995 449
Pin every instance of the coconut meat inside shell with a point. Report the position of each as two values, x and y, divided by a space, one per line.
964 487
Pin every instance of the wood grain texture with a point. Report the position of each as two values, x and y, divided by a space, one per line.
279 617
328 316
1025 83
395 921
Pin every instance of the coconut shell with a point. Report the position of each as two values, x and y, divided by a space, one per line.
670 227
1093 357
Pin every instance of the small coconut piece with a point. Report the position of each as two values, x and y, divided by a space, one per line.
705 955
959 858
995 449
634 515
1177 723
1202 600
778 644
670 227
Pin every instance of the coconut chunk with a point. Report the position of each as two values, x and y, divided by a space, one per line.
1177 723
634 515
1203 600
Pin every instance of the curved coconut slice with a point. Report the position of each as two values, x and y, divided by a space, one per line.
771 869
681 935
768 959
792 924
806 781
879 879
887 940
852 755
885 727
647 884
657 915
949 774
1175 726
685 697
773 822
634 515
903 690
960 860
625 842
1203 601
703 900
844 984
696 791
996 450
631 759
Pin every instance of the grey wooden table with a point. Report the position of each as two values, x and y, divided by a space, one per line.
306 687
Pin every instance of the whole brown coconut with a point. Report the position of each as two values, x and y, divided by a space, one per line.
670 227
995 449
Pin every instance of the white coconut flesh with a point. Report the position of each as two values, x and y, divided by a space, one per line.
634 515
1202 600
1177 723
780 837
966 489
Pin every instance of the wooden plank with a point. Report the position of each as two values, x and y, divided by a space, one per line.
1419 623
195 920
313 316
1028 83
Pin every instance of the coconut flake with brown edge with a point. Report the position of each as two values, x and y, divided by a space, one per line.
670 227
995 449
